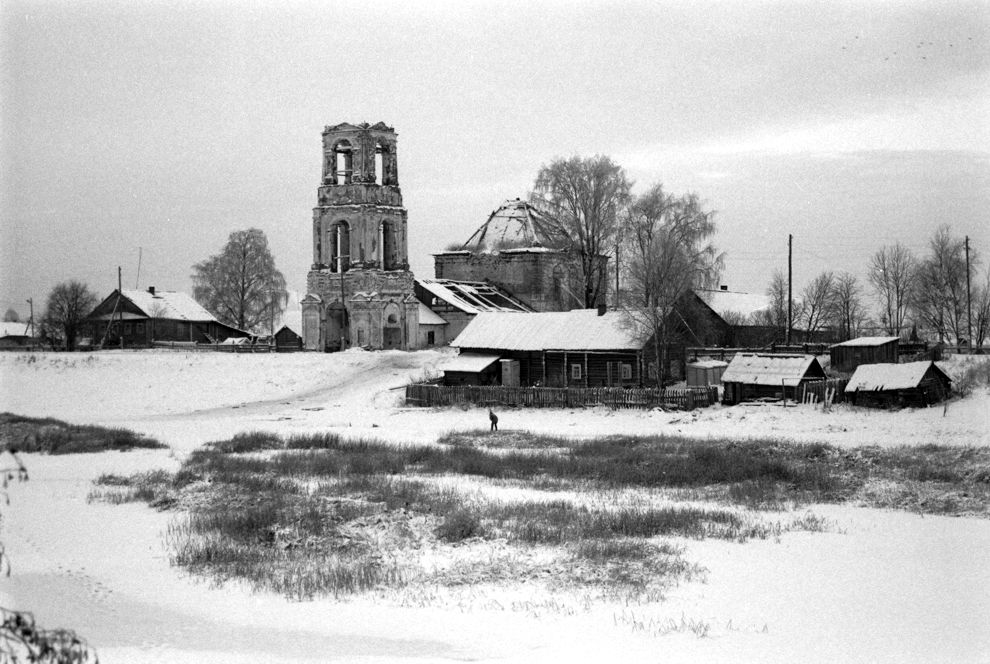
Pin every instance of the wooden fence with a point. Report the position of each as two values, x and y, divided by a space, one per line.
817 391
425 394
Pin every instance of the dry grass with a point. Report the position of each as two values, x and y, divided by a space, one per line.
51 436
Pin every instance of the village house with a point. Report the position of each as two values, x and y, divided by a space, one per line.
848 355
139 318
895 385
753 376
579 348
16 335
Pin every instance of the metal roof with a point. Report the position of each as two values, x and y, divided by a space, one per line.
708 364
868 341
879 377
722 302
579 330
472 297
428 317
470 362
168 304
756 369
516 223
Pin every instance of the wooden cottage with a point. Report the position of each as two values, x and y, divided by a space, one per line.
139 318
895 385
580 348
752 376
848 355
16 335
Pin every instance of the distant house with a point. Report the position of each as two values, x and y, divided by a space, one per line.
753 376
141 317
457 302
909 384
579 348
15 335
848 355
432 328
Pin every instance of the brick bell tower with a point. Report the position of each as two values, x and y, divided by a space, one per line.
360 289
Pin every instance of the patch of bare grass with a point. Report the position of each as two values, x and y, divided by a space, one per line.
51 436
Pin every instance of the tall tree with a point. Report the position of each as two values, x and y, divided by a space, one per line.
669 250
847 305
240 285
892 272
940 288
817 302
981 312
68 304
775 315
585 196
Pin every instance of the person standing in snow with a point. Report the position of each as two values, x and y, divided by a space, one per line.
494 420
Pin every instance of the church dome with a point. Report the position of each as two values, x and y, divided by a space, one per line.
516 224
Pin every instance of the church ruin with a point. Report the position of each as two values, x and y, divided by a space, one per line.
359 288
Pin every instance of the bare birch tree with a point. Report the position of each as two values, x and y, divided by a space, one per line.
68 304
667 240
586 197
241 285
893 271
817 302
940 288
847 305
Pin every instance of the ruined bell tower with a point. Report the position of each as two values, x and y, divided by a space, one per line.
360 289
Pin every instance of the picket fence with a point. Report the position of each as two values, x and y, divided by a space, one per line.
429 395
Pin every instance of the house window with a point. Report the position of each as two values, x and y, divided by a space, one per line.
575 372
652 371
127 328
430 338
139 327
626 371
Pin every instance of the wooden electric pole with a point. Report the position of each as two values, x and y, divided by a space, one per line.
790 275
120 318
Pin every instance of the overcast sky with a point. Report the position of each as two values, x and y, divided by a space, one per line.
166 126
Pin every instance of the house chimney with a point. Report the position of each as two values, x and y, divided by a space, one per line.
151 289
601 309
723 287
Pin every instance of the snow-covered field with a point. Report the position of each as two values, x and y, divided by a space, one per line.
883 587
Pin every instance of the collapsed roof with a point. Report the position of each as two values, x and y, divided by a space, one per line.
472 297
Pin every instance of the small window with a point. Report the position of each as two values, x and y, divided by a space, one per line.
430 338
626 372
652 372
575 372
139 327
127 328
360 336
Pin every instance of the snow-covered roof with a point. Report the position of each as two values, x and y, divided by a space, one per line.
723 301
472 297
292 319
879 377
470 362
756 369
428 317
13 330
168 304
708 364
579 330
868 341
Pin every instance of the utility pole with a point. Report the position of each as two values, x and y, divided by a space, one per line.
30 325
969 304
120 318
790 275
617 275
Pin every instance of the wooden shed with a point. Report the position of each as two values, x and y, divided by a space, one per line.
896 385
705 372
865 350
752 376
471 369
580 348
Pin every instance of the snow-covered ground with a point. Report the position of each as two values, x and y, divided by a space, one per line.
884 587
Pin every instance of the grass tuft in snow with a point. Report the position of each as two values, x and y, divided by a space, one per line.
51 436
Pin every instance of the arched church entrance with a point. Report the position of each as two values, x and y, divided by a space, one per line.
337 331
392 327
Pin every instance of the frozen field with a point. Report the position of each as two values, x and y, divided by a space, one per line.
883 587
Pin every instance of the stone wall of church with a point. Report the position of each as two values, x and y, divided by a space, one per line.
544 280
